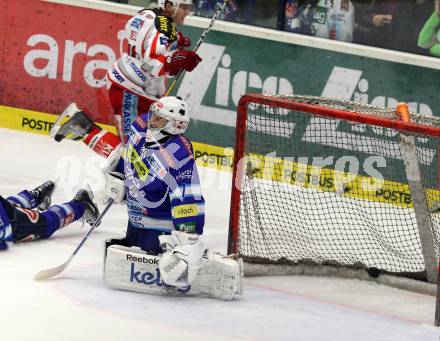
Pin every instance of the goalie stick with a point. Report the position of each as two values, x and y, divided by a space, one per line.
219 11
49 273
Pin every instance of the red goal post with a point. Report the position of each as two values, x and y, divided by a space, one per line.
274 219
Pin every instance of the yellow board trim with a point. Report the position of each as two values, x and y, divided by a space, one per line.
211 156
328 180
32 121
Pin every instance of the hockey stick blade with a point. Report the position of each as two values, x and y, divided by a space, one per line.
67 113
49 273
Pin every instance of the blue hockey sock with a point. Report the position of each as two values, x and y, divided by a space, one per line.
23 199
59 216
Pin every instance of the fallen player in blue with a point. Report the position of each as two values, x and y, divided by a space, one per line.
28 215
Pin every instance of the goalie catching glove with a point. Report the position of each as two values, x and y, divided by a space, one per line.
114 187
181 60
183 258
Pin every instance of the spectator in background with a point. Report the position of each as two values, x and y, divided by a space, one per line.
391 24
429 37
334 19
207 8
249 7
239 11
298 16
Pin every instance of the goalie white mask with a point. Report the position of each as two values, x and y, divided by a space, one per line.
169 115
186 4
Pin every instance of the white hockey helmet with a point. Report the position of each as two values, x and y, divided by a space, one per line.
176 4
175 111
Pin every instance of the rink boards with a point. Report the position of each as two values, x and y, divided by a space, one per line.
280 170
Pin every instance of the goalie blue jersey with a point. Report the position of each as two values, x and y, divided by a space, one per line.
163 185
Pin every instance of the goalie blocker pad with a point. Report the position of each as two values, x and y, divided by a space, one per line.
130 268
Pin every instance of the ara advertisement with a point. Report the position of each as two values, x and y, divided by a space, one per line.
53 54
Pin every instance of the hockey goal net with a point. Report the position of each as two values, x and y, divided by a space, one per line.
330 182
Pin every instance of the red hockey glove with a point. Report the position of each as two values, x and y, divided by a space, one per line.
182 41
181 60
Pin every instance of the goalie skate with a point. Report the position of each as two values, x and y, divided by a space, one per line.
76 124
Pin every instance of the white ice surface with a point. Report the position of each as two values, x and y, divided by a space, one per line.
77 305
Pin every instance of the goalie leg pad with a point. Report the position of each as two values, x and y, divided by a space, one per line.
220 277
130 268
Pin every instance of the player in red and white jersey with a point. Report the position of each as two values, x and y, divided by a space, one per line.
153 51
